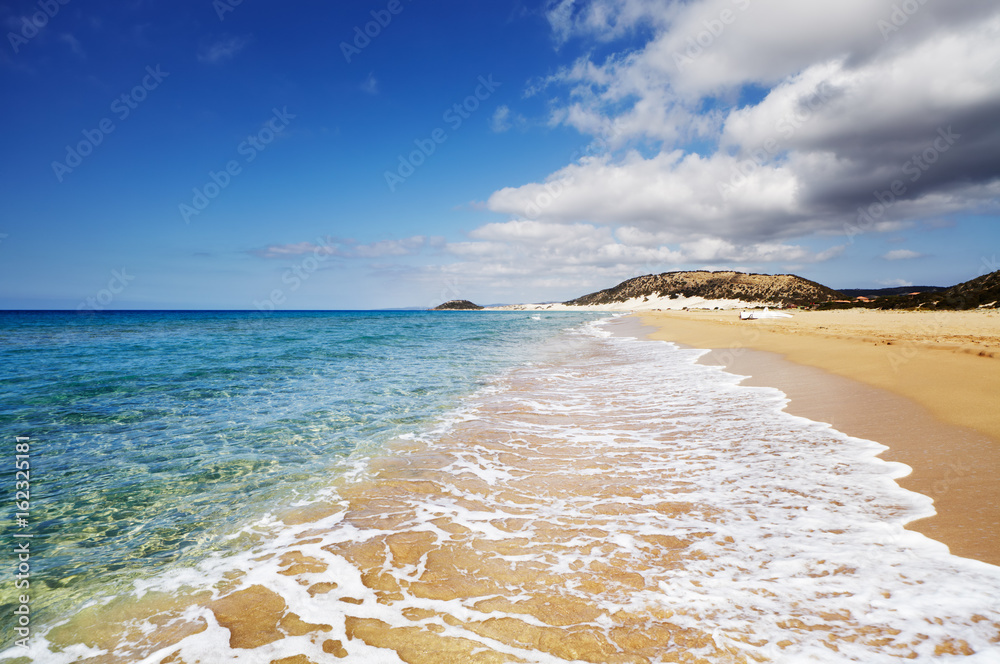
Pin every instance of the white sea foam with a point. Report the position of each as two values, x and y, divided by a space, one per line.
791 532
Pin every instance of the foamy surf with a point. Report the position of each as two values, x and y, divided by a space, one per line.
616 503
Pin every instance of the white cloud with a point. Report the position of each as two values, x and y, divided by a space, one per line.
848 109
894 283
370 86
505 119
671 192
707 47
348 248
73 43
225 49
603 19
500 122
523 260
901 255
289 250
403 247
592 254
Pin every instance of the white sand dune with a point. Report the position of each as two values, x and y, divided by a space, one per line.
641 304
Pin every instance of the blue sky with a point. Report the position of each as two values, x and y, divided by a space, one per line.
220 155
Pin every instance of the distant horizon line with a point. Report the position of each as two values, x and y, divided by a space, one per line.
248 311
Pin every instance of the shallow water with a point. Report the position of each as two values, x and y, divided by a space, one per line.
611 501
156 436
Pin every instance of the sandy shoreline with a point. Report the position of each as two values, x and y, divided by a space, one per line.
924 384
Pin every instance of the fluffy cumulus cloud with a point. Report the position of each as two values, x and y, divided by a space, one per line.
735 128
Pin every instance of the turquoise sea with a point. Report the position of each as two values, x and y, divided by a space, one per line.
157 435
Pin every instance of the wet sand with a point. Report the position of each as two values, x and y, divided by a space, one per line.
925 384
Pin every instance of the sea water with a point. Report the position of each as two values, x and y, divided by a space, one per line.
432 487
157 435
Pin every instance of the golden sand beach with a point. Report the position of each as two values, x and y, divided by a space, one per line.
926 384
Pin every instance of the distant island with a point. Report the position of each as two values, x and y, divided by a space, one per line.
457 305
